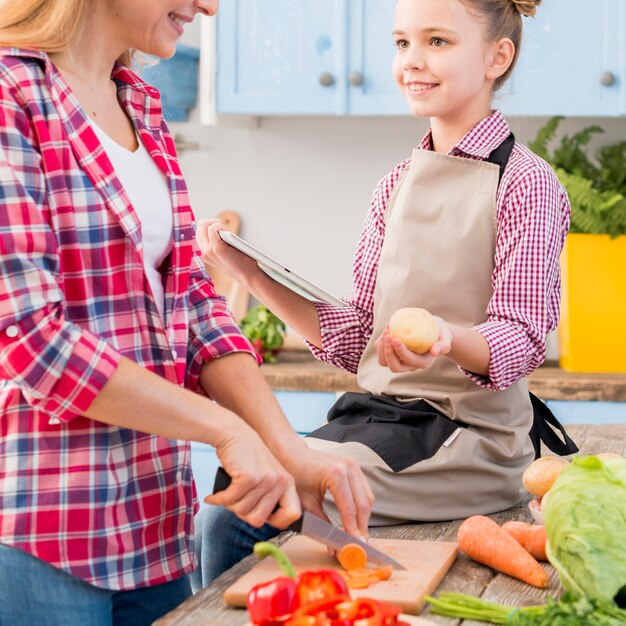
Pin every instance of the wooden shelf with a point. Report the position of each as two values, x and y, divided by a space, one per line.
298 370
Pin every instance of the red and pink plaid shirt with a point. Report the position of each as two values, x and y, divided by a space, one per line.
109 505
533 216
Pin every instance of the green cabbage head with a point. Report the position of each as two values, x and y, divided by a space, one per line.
585 520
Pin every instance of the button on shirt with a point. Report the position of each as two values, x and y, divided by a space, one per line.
109 505
533 216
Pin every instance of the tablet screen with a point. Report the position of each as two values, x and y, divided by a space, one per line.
280 273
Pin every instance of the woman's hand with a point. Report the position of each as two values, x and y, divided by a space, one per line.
392 353
258 481
316 472
220 255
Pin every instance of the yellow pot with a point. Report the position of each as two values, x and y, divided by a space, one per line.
592 331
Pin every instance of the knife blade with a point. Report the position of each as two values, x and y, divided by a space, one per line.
320 530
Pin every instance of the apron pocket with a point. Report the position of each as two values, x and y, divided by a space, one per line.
401 433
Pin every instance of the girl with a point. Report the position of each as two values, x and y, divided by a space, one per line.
106 314
470 228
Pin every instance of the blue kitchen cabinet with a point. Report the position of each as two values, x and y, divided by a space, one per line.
372 89
572 61
305 411
281 56
288 57
334 57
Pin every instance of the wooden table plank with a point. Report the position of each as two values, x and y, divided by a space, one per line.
465 576
298 370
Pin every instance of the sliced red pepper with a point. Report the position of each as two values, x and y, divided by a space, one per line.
318 584
271 600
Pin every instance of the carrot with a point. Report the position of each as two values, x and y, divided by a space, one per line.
384 572
352 556
530 536
484 541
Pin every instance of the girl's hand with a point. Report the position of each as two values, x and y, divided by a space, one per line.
220 255
392 353
258 481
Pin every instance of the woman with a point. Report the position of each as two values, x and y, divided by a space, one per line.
108 325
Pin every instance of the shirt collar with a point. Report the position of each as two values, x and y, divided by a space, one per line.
122 75
480 141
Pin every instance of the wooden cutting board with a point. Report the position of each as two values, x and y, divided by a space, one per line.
237 297
426 561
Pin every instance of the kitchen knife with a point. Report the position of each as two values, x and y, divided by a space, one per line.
320 530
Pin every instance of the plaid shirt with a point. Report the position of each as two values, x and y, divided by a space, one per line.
533 215
109 505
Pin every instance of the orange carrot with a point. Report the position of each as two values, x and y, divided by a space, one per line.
384 572
530 536
484 541
352 556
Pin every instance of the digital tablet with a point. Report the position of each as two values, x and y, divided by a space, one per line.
280 273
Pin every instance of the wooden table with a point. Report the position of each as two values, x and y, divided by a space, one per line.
298 370
207 607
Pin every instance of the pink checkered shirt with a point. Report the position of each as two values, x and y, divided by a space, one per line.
109 505
533 215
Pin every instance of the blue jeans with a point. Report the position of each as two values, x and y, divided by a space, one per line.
34 592
221 541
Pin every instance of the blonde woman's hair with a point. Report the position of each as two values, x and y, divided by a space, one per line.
504 19
45 25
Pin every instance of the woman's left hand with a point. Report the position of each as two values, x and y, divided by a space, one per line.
392 353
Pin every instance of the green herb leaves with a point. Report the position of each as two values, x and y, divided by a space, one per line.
596 187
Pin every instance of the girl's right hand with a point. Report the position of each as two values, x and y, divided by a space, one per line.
258 482
220 255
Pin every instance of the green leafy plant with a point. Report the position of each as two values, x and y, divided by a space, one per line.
596 185
265 331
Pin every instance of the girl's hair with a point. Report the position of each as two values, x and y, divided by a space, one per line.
46 25
504 19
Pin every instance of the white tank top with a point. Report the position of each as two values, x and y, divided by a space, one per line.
146 187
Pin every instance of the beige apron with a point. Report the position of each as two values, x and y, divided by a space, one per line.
438 254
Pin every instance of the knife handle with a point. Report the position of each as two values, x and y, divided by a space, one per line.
223 479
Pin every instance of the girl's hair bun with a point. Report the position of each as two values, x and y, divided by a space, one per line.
528 8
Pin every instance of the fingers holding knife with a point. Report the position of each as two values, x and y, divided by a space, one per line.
259 500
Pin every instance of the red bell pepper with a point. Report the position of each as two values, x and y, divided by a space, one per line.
318 584
275 599
315 598
271 600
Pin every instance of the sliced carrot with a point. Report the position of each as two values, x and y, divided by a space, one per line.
352 556
484 541
531 537
384 573
358 583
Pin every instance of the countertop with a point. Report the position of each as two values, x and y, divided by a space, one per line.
465 576
298 370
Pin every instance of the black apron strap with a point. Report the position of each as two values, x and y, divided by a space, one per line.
543 422
500 156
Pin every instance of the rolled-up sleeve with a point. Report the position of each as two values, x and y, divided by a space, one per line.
525 305
212 330
59 366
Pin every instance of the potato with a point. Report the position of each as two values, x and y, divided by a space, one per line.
415 328
544 501
541 474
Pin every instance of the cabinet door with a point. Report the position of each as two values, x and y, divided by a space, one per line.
569 51
281 56
371 87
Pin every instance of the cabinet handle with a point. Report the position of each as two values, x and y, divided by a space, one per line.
356 79
608 79
326 79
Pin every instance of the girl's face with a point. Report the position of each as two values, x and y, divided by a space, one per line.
154 26
443 64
